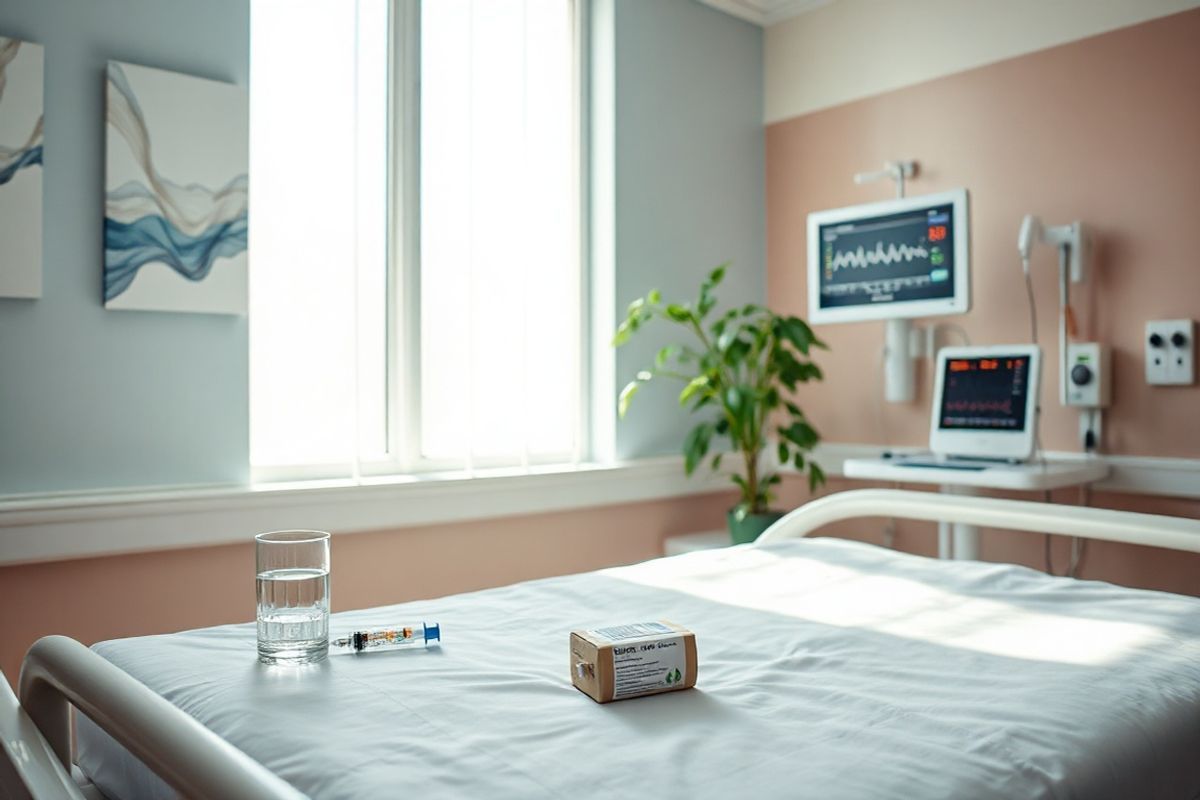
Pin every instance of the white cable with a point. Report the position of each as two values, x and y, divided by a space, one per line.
1032 303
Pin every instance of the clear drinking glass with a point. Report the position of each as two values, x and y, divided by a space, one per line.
293 596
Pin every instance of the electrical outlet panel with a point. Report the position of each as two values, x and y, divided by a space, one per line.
1170 352
1089 375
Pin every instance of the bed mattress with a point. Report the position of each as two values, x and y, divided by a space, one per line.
827 669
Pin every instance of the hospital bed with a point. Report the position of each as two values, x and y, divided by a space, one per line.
828 668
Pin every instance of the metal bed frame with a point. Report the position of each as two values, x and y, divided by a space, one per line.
58 672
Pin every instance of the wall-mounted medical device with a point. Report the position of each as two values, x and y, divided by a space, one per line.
1073 242
1170 352
892 260
896 171
1089 379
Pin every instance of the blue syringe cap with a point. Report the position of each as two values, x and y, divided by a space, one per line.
433 631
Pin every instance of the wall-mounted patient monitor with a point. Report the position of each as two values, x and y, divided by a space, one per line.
892 260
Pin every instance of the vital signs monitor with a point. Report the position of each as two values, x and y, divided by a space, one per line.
895 259
985 402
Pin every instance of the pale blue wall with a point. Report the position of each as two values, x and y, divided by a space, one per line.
92 398
690 181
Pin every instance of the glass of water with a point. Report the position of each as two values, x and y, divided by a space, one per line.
293 596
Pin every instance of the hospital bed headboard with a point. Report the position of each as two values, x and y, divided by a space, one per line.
1019 515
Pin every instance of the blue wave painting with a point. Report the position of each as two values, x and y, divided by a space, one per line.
30 157
153 220
21 159
128 247
14 159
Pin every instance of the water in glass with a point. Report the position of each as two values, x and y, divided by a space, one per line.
293 616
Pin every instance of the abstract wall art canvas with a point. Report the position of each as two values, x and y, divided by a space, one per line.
176 188
20 168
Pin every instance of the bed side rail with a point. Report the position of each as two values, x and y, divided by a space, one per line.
59 672
29 767
1131 527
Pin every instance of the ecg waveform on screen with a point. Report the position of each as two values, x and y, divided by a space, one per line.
863 258
979 406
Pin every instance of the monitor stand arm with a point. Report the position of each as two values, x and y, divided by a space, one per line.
899 362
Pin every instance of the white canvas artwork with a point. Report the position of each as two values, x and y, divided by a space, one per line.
20 168
176 193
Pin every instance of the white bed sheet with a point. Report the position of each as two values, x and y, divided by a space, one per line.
827 669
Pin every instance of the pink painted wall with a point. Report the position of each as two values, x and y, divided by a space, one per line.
1105 130
170 590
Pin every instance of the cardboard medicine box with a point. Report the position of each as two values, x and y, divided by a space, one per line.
624 661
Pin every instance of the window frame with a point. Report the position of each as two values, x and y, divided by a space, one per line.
403 362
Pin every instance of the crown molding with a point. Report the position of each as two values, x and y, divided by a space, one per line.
765 13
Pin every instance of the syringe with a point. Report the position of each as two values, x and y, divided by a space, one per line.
419 634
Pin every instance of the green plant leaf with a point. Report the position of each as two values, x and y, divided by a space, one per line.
655 297
679 313
796 331
698 383
783 453
809 372
798 461
747 500
718 274
624 331
816 477
800 434
695 446
626 395
733 400
793 408
736 352
664 355
789 368
716 461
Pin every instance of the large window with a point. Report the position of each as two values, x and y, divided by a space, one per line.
416 280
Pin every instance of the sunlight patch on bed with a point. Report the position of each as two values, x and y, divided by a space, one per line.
819 592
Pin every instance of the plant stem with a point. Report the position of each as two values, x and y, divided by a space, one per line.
752 480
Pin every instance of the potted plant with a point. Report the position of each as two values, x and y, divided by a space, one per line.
740 369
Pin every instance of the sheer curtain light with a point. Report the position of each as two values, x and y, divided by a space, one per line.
318 217
500 275
430 321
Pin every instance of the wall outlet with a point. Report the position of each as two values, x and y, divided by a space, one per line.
1089 380
1170 352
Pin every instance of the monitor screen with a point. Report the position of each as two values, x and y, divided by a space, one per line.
985 393
890 258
